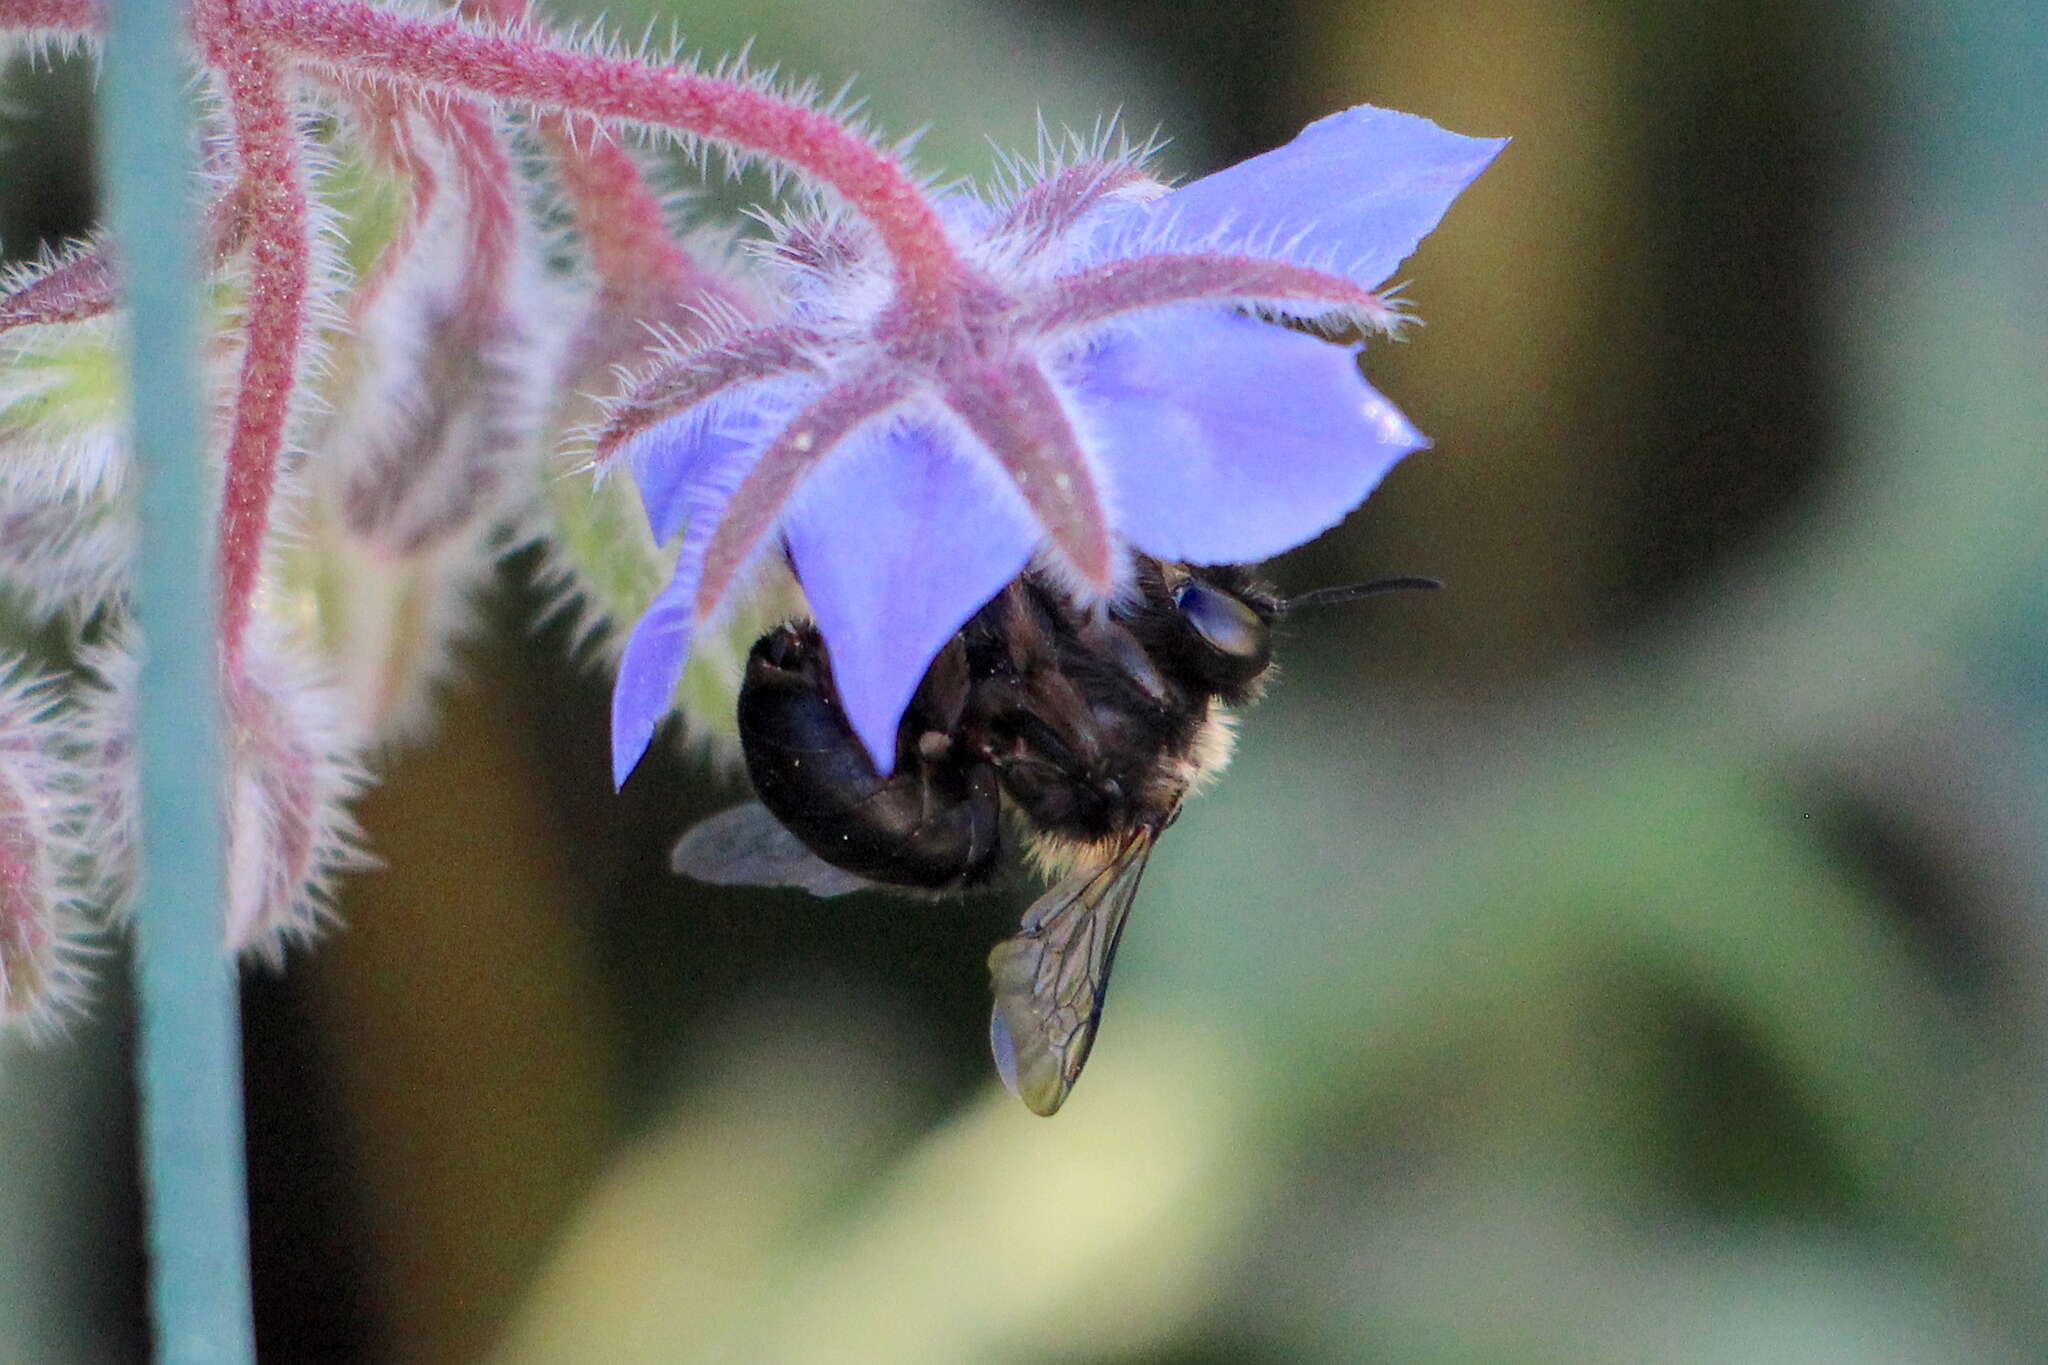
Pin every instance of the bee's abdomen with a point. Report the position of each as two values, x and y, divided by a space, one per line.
933 822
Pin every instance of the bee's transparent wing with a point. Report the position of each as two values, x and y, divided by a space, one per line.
747 846
1050 979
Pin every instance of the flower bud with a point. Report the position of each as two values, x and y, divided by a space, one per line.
445 414
388 626
291 772
68 554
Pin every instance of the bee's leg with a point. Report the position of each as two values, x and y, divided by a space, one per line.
934 821
936 716
941 701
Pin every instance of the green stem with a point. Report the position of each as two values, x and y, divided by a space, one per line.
190 1053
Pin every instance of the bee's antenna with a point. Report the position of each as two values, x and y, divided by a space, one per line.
1352 592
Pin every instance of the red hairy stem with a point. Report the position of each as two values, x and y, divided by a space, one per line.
59 16
642 269
391 119
274 198
449 55
86 283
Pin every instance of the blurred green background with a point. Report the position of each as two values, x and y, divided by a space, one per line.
1635 953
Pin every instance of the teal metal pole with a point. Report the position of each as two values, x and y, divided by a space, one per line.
190 1032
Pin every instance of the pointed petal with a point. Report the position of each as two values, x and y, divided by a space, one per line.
1352 193
782 471
671 458
899 541
659 646
1227 440
649 670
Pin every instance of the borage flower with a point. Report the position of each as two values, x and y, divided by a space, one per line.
1106 376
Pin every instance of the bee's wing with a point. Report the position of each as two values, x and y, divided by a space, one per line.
1050 979
747 846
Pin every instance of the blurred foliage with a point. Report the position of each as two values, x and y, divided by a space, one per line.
1635 953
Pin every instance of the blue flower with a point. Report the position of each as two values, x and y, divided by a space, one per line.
1109 382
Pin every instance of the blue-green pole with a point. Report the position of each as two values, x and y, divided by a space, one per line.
190 1049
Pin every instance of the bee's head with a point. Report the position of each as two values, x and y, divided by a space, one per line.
1213 627
1228 616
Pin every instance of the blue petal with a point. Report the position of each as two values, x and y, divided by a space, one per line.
900 538
1228 440
1354 193
670 457
649 670
659 647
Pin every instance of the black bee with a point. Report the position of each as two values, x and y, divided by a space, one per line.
1085 727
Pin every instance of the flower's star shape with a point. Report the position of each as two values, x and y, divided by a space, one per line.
1100 383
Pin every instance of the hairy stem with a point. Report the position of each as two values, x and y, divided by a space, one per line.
275 198
1092 297
1014 411
85 283
448 55
54 16
757 505
696 378
640 267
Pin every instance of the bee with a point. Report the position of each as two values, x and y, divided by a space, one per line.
1076 731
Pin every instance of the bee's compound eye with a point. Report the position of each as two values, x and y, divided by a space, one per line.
1231 628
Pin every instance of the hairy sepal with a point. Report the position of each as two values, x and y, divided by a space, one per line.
42 852
61 401
602 566
67 556
71 284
